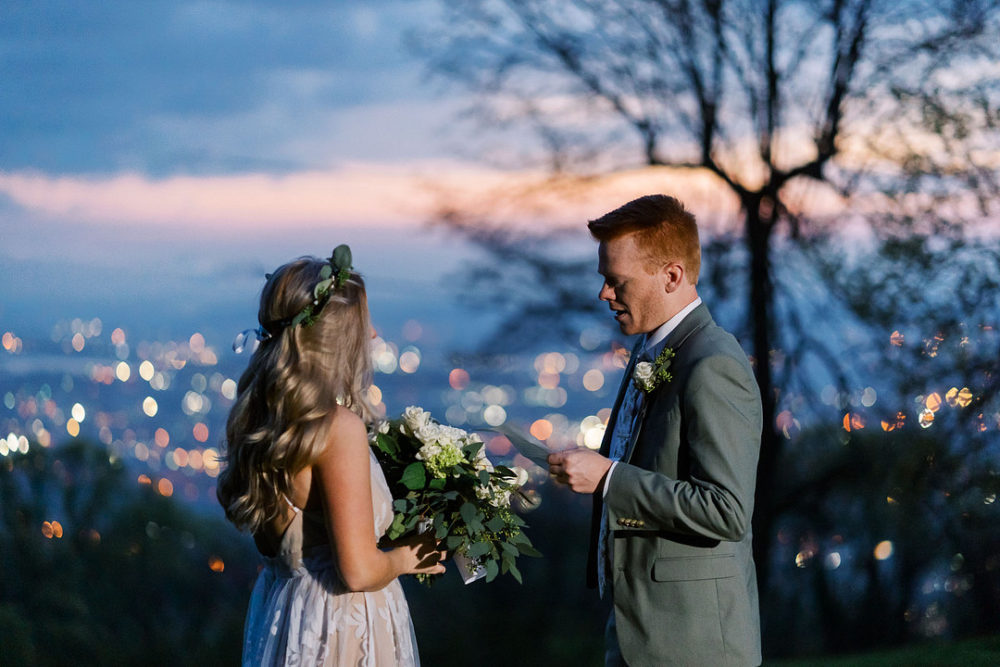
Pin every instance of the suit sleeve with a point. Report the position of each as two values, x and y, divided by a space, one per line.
720 445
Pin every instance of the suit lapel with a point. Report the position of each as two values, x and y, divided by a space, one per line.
698 319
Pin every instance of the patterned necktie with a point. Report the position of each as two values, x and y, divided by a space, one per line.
620 438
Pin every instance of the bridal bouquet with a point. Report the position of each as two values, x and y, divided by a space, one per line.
442 481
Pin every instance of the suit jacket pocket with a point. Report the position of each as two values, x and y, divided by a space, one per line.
694 568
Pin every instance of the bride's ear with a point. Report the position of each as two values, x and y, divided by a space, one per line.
673 276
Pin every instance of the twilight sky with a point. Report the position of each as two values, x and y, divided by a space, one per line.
215 112
230 115
210 87
150 148
159 156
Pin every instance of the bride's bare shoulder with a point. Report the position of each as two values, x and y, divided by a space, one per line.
345 430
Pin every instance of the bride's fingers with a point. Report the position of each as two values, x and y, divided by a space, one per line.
431 564
432 557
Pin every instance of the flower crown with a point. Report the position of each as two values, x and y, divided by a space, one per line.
334 274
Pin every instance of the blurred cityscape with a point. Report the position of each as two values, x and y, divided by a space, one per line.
161 406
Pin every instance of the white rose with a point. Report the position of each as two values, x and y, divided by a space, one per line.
522 476
450 435
416 418
428 433
643 372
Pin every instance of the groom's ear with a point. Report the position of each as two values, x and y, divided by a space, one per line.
673 276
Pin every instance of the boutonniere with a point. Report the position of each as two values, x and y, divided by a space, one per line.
648 375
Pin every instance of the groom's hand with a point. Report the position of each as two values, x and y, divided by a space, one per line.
582 469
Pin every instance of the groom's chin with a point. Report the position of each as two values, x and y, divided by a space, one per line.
625 325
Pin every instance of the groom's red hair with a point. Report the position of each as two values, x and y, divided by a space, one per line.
663 228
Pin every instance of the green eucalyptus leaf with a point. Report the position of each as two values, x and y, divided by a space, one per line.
469 513
517 573
440 527
396 527
496 524
528 550
478 549
414 477
342 257
322 287
484 477
387 444
326 271
491 570
519 538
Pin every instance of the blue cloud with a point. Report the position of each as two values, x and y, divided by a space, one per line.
193 86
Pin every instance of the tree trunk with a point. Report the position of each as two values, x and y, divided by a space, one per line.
758 238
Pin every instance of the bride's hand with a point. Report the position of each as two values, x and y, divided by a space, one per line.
421 554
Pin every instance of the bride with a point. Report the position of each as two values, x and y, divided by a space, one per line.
301 478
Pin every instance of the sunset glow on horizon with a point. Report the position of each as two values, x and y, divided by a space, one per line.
375 195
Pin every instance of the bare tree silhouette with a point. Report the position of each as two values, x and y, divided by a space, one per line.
887 108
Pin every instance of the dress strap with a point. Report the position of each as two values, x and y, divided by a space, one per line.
291 504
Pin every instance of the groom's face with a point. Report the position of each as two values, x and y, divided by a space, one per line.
637 298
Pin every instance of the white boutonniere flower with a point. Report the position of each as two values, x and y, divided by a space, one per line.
648 375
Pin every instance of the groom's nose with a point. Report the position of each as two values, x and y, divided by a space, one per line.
606 293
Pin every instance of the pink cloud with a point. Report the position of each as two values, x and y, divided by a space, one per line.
369 195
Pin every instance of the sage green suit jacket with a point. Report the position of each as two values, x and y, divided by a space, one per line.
679 507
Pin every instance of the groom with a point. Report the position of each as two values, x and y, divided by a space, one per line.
673 484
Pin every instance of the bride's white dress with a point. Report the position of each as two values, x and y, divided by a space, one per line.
302 614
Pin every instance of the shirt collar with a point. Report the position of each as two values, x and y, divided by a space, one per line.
656 336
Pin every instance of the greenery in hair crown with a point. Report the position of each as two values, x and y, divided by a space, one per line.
333 275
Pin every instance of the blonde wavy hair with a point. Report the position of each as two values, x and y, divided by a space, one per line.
295 379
